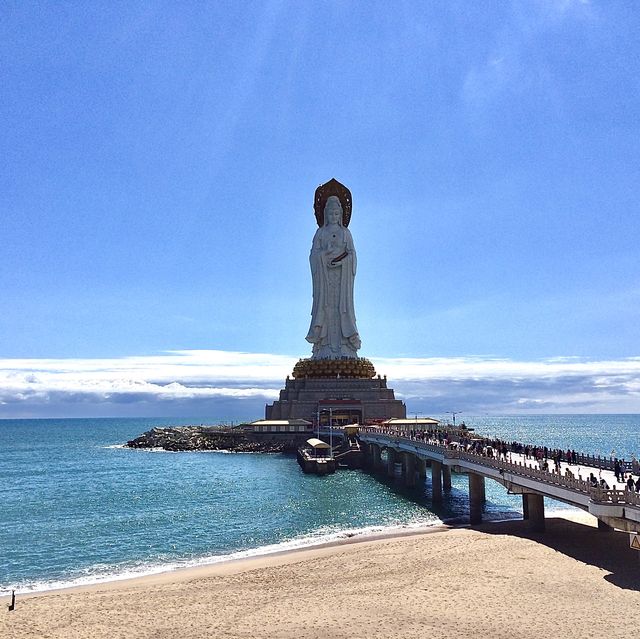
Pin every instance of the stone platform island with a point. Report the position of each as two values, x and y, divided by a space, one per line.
345 397
240 439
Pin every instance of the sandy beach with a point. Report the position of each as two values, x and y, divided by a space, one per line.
498 580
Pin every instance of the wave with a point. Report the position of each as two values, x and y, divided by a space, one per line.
103 573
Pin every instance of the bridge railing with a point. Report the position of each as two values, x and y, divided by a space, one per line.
418 443
521 469
434 448
613 496
580 459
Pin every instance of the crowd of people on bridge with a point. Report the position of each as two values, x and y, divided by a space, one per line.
495 448
630 484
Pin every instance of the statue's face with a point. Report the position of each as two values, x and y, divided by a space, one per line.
333 211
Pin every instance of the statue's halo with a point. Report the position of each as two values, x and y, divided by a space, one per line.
324 192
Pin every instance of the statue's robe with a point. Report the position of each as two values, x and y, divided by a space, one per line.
323 308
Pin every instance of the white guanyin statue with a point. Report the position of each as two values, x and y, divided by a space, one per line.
333 330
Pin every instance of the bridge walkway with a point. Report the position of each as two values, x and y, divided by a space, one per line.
614 506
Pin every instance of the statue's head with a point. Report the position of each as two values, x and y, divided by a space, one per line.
324 192
333 211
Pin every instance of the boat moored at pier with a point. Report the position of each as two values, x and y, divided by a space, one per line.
316 457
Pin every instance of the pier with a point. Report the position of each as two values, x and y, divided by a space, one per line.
407 456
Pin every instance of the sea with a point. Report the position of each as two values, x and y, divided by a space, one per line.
76 507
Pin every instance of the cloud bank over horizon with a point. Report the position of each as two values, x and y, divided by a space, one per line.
230 385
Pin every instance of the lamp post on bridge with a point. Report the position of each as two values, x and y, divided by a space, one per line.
331 430
453 413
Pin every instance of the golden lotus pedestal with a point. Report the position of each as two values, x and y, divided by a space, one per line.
348 390
355 368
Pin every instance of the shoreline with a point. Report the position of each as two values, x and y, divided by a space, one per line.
232 565
496 580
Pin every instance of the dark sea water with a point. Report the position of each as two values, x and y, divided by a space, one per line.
76 507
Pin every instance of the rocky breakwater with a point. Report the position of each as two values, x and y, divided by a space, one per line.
238 440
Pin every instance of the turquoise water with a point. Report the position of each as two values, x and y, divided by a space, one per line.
76 507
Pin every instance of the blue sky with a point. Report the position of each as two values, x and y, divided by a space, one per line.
158 168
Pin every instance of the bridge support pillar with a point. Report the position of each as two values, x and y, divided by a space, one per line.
476 498
422 468
446 477
604 527
374 457
535 509
366 448
391 460
525 507
409 470
436 481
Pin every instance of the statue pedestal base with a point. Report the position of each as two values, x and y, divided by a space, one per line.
347 400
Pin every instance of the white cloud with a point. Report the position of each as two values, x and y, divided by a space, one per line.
176 376
559 384
481 384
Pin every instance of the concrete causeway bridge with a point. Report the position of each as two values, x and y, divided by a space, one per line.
407 456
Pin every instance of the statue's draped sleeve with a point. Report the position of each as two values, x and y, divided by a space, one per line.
347 311
318 279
